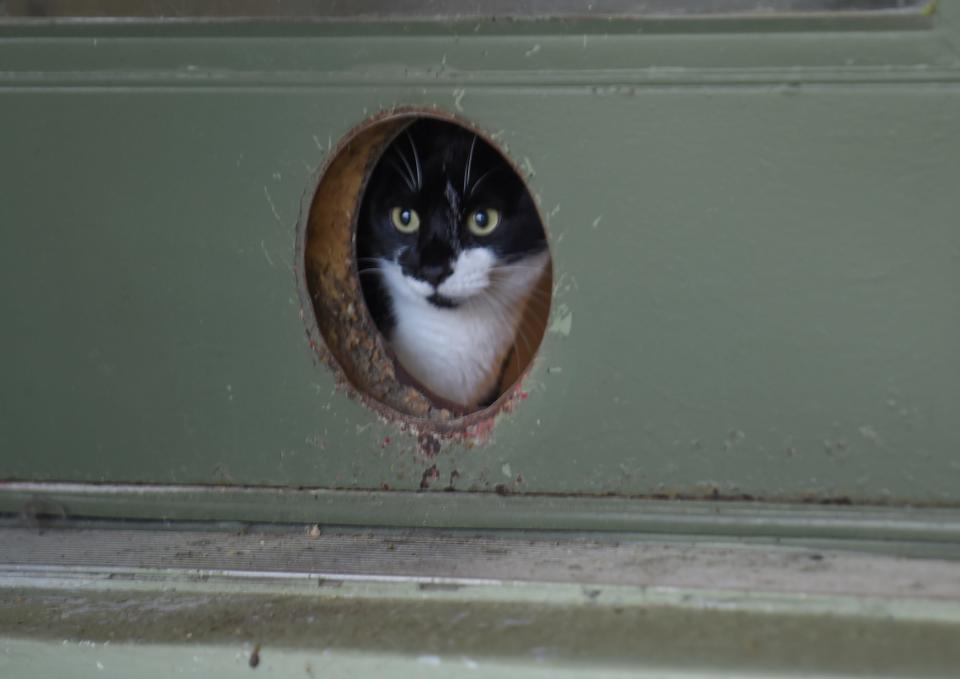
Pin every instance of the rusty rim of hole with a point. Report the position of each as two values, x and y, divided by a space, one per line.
339 326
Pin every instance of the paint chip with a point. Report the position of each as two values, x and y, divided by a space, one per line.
527 167
563 322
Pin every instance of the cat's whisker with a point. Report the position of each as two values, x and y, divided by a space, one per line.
500 309
407 178
540 297
492 295
517 321
532 306
482 177
413 166
534 315
416 160
466 174
517 265
536 309
522 335
520 255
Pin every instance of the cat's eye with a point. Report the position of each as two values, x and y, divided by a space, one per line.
405 220
483 222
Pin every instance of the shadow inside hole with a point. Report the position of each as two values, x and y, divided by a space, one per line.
350 337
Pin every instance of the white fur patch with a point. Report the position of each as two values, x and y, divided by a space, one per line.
470 276
457 353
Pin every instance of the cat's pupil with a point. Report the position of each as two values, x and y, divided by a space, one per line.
405 217
480 218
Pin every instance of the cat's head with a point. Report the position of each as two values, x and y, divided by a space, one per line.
445 217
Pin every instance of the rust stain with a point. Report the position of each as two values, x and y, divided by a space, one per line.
452 485
429 444
429 476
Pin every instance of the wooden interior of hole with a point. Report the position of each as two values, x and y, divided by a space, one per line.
533 325
348 332
331 277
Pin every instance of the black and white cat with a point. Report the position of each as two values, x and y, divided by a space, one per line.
449 248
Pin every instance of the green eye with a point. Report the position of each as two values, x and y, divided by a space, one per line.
483 222
405 220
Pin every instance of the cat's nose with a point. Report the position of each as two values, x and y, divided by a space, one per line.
434 274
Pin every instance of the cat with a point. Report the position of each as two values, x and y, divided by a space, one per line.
449 249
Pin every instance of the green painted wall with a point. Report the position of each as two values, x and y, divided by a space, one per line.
754 229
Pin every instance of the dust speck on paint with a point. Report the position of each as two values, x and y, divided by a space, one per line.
870 434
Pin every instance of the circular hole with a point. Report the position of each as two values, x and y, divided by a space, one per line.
426 268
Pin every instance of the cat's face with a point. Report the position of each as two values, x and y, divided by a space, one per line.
445 219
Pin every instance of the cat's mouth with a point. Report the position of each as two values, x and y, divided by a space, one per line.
442 301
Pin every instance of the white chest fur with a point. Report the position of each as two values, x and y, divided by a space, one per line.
457 353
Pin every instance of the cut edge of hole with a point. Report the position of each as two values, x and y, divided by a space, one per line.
342 330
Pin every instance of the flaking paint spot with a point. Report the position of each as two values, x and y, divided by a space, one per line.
527 166
563 321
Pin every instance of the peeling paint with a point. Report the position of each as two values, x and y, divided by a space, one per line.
527 166
563 321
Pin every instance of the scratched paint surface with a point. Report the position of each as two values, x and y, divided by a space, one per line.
755 284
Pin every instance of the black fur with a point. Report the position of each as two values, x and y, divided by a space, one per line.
444 172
